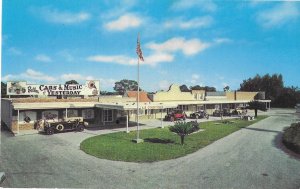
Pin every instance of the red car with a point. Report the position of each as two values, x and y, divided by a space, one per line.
175 115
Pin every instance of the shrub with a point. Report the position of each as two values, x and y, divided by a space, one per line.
291 137
182 129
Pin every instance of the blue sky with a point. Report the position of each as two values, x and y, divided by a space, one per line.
214 43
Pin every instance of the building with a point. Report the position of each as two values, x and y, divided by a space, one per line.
21 113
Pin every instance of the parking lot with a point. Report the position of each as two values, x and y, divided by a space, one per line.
56 161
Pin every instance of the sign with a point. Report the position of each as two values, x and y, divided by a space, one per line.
91 87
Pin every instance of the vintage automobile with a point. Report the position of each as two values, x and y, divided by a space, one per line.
219 113
16 88
68 124
199 115
175 115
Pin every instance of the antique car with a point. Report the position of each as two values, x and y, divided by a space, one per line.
175 115
199 115
16 88
219 113
68 124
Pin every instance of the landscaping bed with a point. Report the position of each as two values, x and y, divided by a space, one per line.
159 144
291 137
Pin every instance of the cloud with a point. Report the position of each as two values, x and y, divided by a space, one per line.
195 80
222 40
107 83
151 60
77 77
199 22
61 17
29 74
123 22
121 8
118 59
66 55
164 85
208 5
188 47
15 51
278 15
42 58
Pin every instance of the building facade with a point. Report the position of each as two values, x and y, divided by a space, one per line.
102 111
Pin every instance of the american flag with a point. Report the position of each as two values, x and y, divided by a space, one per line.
139 50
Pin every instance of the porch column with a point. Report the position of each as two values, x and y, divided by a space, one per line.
66 113
127 130
18 122
266 105
269 105
161 118
103 117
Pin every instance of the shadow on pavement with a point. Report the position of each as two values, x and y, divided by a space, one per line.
264 130
277 142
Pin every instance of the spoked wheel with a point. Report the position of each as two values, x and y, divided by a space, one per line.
80 128
49 131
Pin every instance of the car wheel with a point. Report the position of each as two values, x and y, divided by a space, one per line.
50 131
60 127
80 128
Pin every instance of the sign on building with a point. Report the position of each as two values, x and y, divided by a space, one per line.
91 87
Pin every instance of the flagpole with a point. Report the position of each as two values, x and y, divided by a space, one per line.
140 56
138 98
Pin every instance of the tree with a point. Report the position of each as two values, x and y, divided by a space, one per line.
125 85
184 88
183 129
206 88
271 85
3 90
71 82
226 88
256 105
288 97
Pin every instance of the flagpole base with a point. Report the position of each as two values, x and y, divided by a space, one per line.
138 140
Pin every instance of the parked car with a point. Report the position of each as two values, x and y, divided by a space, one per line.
199 115
69 124
175 115
224 112
217 113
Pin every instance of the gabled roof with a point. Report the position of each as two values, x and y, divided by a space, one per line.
142 94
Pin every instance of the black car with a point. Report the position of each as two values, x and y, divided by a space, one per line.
199 115
224 112
69 124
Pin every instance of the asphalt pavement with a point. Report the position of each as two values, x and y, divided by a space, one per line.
249 158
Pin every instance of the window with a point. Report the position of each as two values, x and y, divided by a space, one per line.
183 107
107 115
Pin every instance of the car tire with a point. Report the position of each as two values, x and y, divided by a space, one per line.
60 127
50 131
80 128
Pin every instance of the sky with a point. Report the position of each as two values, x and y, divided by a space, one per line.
191 42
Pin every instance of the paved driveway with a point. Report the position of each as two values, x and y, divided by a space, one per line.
249 158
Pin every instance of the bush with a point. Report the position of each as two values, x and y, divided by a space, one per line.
291 137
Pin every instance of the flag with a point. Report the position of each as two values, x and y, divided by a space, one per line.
139 50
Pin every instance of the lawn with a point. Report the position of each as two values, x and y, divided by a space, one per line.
159 144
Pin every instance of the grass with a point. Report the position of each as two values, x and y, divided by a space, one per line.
159 144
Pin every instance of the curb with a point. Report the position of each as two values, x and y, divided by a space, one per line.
2 177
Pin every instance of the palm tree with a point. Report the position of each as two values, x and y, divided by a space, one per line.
256 105
182 129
